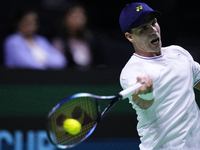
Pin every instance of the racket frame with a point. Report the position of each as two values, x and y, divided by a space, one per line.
115 98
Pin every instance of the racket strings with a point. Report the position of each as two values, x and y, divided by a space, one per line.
83 109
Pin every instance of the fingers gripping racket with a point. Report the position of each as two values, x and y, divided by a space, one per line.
85 108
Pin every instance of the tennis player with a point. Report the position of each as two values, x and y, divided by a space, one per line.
168 115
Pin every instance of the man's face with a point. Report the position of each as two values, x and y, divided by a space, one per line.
146 37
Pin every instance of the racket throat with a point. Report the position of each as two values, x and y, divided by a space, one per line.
108 106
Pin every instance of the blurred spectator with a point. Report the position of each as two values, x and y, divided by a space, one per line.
76 41
26 49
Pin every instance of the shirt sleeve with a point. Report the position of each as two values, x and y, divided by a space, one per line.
128 78
195 68
196 71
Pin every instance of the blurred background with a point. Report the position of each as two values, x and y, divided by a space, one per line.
29 90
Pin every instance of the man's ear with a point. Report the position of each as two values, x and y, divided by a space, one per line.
129 37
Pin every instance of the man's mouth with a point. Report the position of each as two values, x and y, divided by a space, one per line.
155 41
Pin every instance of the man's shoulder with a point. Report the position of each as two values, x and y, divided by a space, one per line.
176 50
132 66
173 47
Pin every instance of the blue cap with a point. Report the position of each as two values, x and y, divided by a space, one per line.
133 15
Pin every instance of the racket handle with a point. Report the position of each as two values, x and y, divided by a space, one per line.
130 91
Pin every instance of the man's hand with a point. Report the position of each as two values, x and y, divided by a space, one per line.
146 90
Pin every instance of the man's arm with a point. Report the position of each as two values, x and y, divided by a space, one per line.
197 86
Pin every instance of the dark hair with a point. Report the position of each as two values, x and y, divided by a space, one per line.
17 16
70 6
64 33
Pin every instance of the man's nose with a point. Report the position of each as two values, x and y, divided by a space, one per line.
154 29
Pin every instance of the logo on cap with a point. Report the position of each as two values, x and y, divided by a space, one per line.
139 8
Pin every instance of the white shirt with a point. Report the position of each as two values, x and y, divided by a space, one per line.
173 121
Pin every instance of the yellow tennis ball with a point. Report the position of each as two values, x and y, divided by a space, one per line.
72 126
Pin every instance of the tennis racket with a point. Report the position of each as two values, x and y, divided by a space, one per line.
85 108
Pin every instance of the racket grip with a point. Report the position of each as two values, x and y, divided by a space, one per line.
130 91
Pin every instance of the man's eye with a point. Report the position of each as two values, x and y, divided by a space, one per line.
154 22
144 28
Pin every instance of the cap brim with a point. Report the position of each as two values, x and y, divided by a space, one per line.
140 19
